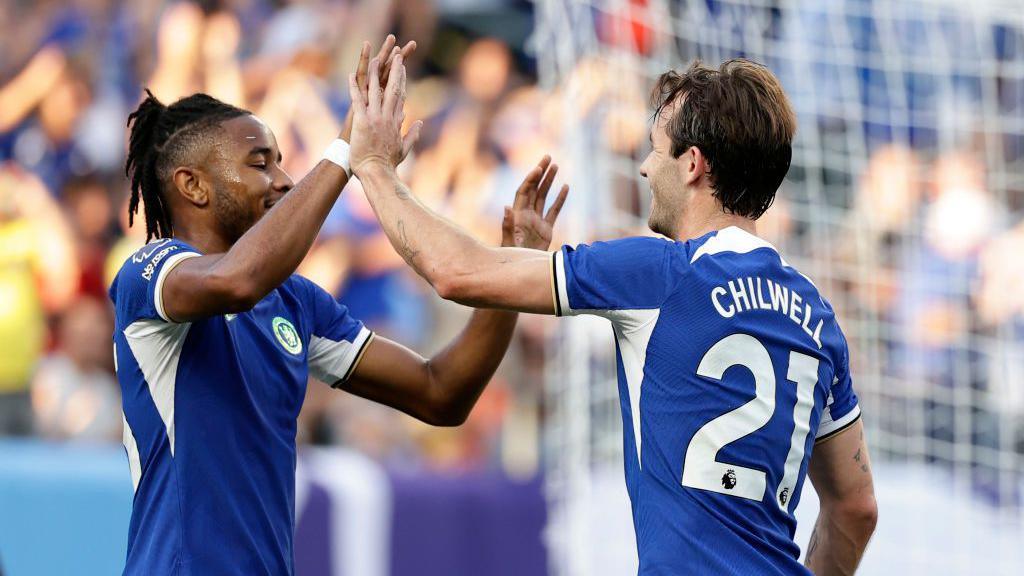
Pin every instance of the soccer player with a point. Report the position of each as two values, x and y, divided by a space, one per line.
215 337
734 374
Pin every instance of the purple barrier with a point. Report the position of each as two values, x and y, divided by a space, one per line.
468 524
356 519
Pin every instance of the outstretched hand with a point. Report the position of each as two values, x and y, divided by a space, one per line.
525 225
378 113
385 60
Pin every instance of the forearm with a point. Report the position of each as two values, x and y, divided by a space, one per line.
837 543
267 254
442 390
460 372
437 249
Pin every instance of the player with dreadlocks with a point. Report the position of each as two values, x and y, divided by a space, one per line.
215 335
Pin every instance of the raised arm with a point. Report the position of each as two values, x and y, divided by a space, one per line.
272 249
458 266
442 390
840 471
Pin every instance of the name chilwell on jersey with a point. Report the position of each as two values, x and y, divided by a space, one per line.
744 294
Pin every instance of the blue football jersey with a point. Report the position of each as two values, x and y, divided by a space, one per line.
210 410
730 366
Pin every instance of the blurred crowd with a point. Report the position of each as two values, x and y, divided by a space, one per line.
71 71
904 201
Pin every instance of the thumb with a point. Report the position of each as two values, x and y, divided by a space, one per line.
411 137
507 223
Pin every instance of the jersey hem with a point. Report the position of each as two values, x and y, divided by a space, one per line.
561 288
367 336
854 416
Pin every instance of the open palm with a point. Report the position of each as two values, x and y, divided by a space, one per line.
525 225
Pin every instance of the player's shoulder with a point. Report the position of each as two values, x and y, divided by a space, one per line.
307 295
301 287
637 252
742 253
629 244
731 243
142 268
146 260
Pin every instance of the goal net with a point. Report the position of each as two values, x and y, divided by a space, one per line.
904 204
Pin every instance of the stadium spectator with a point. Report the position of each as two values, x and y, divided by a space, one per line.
38 276
74 394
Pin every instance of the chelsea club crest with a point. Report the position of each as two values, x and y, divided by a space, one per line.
286 335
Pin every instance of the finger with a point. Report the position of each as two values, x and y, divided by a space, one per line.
373 93
364 63
535 192
385 53
385 72
394 88
386 47
544 162
542 190
408 49
399 110
411 137
556 207
529 183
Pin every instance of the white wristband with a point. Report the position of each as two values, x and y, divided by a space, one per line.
337 153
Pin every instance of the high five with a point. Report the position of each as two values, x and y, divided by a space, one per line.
731 397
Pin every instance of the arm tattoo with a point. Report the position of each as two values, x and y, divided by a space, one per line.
401 191
859 459
406 250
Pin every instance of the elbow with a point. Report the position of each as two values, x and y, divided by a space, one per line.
446 403
453 285
447 287
867 518
453 278
860 516
445 414
449 418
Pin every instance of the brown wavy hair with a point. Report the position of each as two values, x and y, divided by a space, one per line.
741 120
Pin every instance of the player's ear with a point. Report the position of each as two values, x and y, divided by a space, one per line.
192 184
692 165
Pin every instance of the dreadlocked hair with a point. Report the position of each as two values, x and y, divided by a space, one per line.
160 139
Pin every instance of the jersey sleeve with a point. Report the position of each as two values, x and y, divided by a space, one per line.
137 291
606 277
841 408
337 341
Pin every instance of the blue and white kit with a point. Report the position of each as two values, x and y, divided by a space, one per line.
210 410
731 366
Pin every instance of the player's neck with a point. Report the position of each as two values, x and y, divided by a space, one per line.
203 239
702 224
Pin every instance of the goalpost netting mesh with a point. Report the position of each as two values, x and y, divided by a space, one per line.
904 205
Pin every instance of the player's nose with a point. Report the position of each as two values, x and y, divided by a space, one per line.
282 183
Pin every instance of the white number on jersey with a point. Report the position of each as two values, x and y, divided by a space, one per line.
701 469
